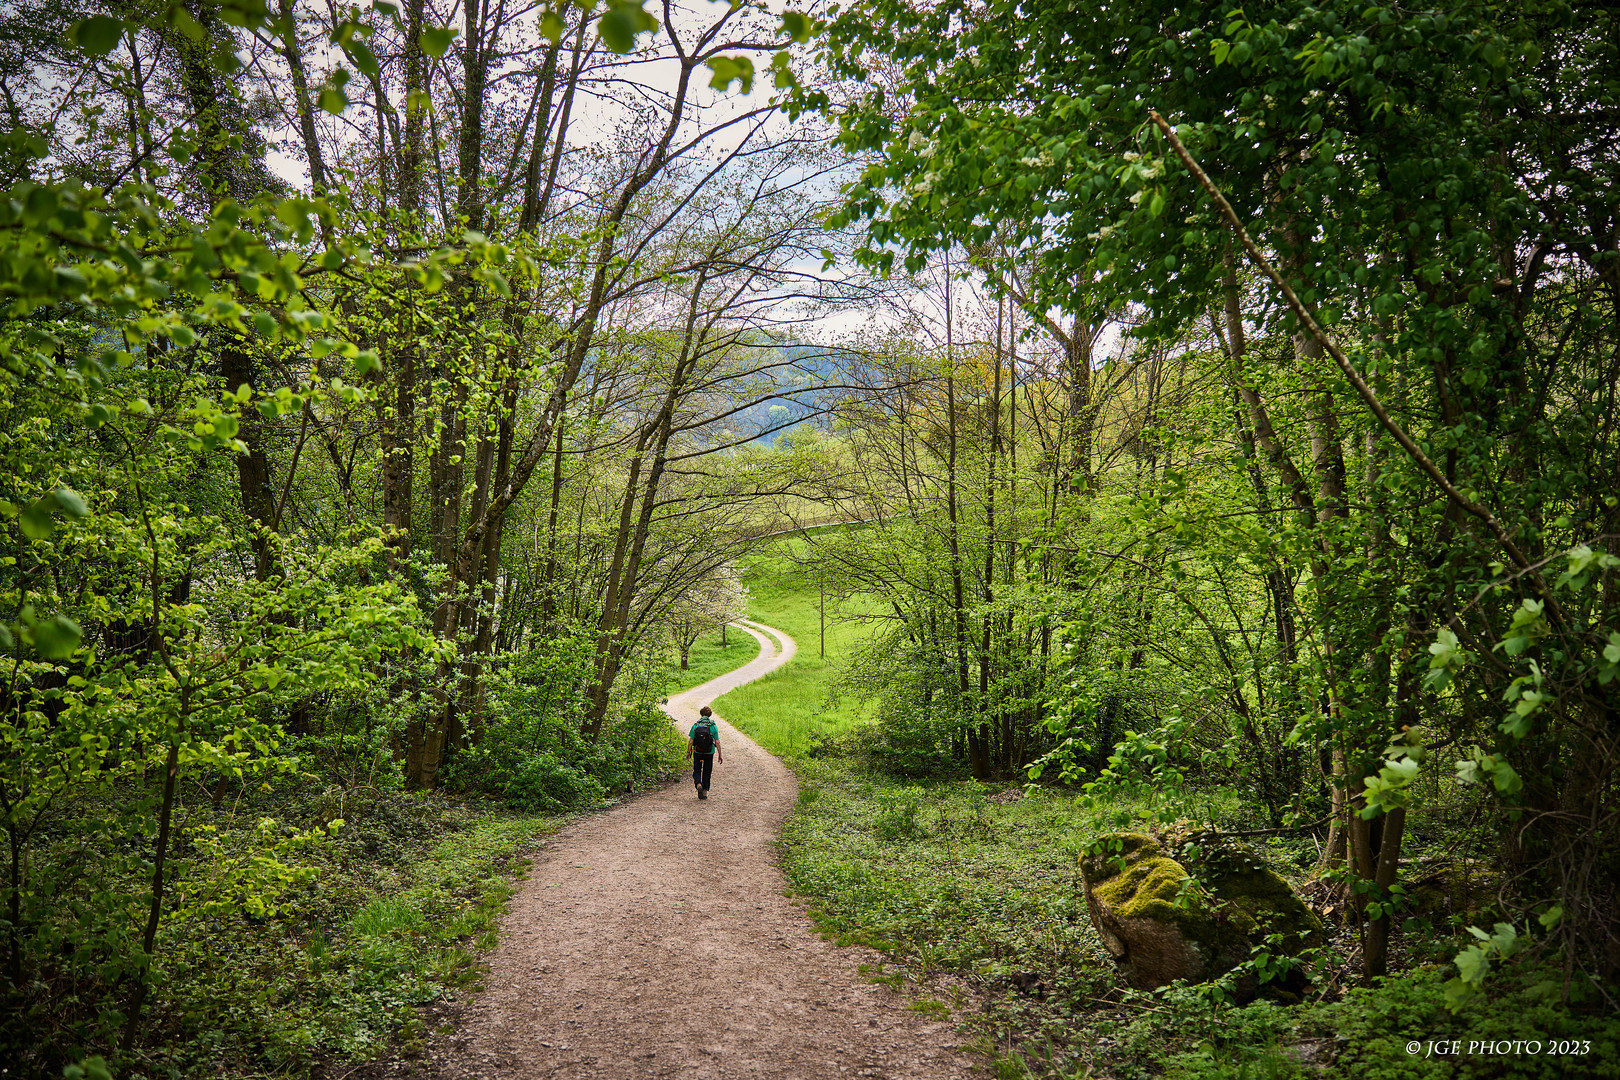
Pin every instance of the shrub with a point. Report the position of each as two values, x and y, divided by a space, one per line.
530 752
541 782
897 813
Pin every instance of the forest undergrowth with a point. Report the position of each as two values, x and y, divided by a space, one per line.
386 915
972 892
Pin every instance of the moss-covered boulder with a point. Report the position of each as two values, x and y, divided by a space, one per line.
1237 878
1160 926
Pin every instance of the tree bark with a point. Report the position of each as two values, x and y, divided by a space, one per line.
154 912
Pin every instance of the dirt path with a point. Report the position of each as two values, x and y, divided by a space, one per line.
654 940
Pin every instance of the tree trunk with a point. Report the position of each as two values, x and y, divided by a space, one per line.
622 584
154 911
293 54
978 731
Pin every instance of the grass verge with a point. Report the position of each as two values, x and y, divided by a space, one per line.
399 906
710 658
790 710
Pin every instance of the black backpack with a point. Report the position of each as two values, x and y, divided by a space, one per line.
703 738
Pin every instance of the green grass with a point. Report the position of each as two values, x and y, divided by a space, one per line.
959 884
407 897
709 658
962 884
942 875
791 708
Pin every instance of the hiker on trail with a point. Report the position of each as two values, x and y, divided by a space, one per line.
703 747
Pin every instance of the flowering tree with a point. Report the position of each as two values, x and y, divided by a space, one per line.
709 605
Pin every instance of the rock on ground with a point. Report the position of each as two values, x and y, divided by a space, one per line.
1159 928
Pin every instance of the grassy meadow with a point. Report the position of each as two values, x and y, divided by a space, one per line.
790 709
710 658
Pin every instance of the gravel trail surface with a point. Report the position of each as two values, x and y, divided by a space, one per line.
653 940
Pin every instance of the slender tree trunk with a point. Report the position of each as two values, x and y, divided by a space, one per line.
978 730
548 599
154 913
413 154
211 97
993 415
14 959
622 586
1327 458
303 107
1078 364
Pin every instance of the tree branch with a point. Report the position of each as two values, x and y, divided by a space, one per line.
1376 407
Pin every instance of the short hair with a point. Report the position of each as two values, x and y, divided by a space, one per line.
705 711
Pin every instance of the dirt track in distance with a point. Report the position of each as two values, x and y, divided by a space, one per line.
653 940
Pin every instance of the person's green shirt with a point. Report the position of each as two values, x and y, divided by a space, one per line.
713 730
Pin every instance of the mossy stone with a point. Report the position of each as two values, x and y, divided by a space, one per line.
1160 928
1446 887
1237 877
1156 928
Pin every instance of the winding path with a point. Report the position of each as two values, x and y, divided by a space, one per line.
653 940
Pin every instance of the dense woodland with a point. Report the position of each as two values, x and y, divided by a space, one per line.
1219 407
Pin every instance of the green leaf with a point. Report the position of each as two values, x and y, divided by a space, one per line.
622 22
363 57
784 77
732 68
91 1068
57 637
798 26
366 361
552 26
436 40
36 520
1506 779
180 19
72 503
333 100
1472 963
97 35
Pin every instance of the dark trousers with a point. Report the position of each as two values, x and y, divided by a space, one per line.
702 769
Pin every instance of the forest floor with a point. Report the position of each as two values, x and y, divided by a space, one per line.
655 939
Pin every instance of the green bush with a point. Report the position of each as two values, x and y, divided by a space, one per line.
1525 1003
530 752
904 744
541 782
